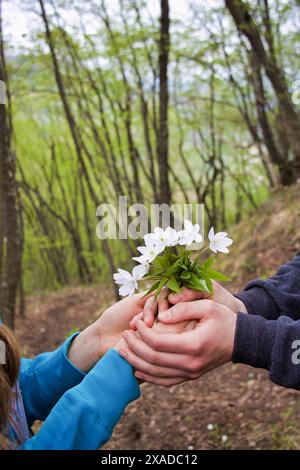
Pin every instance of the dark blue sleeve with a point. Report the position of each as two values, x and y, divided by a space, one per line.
270 344
276 296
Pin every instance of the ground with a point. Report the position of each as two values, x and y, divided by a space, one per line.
239 401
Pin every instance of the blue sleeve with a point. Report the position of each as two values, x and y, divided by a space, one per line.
276 296
45 379
270 344
84 418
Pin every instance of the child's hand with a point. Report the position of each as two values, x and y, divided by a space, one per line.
92 343
152 308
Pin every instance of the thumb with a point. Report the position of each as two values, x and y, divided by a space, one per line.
187 311
187 295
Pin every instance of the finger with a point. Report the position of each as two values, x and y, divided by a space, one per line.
141 298
165 382
183 311
179 343
150 369
161 359
132 324
150 309
162 301
187 295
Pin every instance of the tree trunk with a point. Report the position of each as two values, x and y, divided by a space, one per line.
279 159
240 12
10 233
163 137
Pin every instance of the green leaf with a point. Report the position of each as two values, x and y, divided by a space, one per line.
208 263
161 262
209 284
216 275
152 288
160 286
173 268
185 275
199 284
173 284
173 257
152 277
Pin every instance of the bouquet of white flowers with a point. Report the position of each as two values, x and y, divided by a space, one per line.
165 261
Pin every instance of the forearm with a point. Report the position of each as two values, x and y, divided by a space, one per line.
276 296
85 416
269 344
45 379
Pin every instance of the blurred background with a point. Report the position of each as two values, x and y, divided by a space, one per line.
182 101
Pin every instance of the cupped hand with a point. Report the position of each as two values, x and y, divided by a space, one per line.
93 342
151 307
133 349
220 295
166 357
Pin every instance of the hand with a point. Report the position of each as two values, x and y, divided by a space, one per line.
220 295
151 308
92 343
164 376
168 358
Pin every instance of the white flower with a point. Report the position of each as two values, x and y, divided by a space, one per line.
128 281
219 241
190 234
149 253
168 237
149 239
210 427
171 237
224 438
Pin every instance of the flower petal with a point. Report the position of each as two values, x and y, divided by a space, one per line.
211 234
196 228
159 247
128 288
198 238
122 276
139 271
223 249
139 259
227 241
149 239
220 235
188 225
143 249
212 247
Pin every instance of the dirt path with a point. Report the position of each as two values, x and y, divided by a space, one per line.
239 401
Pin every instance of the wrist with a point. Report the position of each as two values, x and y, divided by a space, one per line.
84 351
239 306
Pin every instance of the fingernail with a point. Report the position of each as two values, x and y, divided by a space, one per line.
164 315
123 353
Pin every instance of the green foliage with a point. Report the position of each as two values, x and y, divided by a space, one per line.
175 269
102 70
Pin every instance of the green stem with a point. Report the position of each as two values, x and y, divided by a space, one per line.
201 252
